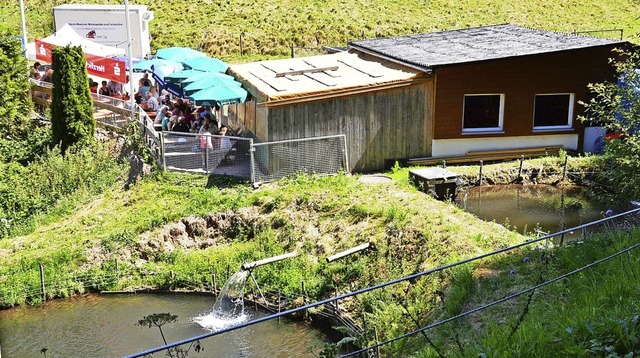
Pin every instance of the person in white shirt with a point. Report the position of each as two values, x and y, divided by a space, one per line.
151 104
115 88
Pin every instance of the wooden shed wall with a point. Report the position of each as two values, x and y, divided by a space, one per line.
520 79
379 125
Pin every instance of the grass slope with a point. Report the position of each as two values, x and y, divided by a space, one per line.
269 28
177 230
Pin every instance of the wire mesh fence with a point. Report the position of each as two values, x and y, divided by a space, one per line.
319 155
207 154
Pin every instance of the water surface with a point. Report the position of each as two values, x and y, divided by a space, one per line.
527 208
106 326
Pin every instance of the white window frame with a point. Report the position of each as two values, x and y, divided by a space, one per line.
569 124
498 129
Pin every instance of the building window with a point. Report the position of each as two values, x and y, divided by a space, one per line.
483 113
553 111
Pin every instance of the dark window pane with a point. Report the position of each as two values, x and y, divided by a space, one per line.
551 110
481 111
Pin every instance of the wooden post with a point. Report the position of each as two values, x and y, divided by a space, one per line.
279 304
304 299
564 227
293 53
253 297
564 171
215 284
364 324
520 169
44 292
375 332
228 272
480 180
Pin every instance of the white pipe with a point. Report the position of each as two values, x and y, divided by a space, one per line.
352 250
252 265
130 64
24 28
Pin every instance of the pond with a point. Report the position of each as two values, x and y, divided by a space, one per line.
527 208
106 326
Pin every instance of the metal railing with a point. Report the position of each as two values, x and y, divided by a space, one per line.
624 222
219 155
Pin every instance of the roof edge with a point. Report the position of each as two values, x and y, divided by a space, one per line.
377 54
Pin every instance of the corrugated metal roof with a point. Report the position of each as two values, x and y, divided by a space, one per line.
474 44
303 76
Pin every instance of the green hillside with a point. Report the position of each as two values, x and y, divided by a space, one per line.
269 28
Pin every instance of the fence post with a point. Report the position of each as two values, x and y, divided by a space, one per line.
520 169
293 53
480 180
252 161
304 299
215 284
279 307
347 168
162 153
44 292
253 297
375 332
564 171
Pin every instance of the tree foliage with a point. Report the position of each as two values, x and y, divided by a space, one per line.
15 104
616 105
71 107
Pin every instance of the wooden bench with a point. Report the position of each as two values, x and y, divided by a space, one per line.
488 155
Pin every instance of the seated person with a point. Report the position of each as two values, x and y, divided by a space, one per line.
104 90
181 126
93 87
116 88
151 103
145 86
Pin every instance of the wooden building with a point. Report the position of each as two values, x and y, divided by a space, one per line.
434 94
504 86
383 108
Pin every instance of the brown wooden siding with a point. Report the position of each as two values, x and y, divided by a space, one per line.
520 79
379 125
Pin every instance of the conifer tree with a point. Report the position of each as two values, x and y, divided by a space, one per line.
72 118
15 104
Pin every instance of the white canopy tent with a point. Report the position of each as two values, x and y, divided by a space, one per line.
67 36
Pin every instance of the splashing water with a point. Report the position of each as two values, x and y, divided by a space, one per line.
228 310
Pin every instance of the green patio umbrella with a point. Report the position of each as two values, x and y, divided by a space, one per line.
179 76
222 94
203 75
208 64
179 54
205 83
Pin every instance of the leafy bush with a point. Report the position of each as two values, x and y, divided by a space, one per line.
26 191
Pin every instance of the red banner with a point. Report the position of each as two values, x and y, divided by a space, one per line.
104 67
43 51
